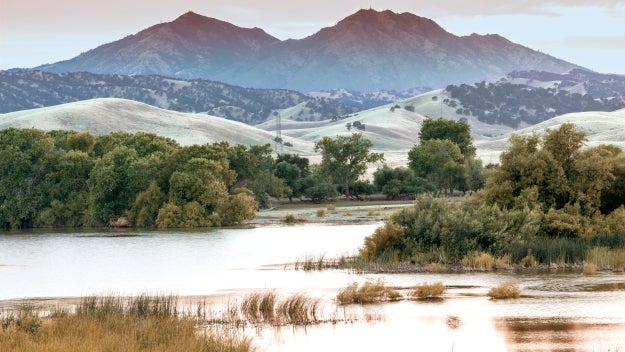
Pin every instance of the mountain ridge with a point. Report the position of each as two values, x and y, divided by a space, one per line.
366 51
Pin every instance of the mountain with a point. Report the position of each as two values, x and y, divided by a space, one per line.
366 51
28 90
191 46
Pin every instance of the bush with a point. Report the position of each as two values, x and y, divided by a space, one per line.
429 291
321 213
507 290
384 239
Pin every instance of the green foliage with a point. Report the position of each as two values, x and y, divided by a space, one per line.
317 188
555 169
386 238
145 208
457 132
400 182
70 179
441 162
345 158
239 208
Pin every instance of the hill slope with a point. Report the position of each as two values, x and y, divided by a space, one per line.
366 51
28 90
600 128
102 116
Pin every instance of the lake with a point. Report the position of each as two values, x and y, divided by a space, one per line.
558 311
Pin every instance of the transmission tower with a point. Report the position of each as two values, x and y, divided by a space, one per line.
278 138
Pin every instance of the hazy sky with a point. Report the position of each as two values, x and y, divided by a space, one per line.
590 33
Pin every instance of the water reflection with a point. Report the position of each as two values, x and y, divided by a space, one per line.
558 311
561 334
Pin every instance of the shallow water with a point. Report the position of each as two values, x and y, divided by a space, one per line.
557 311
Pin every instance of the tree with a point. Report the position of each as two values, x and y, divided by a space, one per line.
345 158
290 174
455 131
145 208
440 161
555 170
400 182
317 188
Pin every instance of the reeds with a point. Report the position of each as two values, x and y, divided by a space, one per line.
507 290
371 291
266 308
607 258
310 263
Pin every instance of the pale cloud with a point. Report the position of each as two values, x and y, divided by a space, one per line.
599 42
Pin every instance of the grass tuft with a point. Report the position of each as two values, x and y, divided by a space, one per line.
292 219
429 291
507 290
436 268
371 291
321 213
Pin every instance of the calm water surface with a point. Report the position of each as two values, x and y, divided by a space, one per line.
557 312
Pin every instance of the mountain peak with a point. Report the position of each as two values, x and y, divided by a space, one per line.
392 23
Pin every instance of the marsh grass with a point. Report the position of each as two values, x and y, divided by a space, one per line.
265 308
607 258
507 290
371 291
144 323
429 291
310 263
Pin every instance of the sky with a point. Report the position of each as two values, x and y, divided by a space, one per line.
590 33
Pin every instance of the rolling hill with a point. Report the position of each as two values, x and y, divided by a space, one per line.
102 116
392 132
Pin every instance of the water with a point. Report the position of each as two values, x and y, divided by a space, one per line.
557 312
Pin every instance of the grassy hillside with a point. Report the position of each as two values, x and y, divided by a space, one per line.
102 116
392 128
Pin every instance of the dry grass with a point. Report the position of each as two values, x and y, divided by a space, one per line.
589 269
115 324
331 207
321 213
607 258
429 291
507 290
529 261
436 268
372 291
